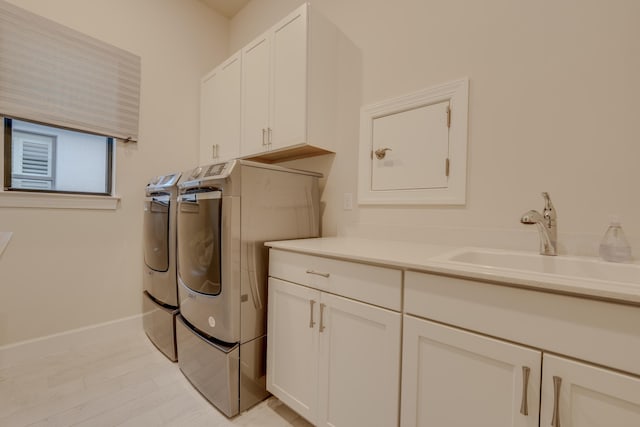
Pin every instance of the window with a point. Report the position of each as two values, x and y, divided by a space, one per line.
54 79
55 75
51 159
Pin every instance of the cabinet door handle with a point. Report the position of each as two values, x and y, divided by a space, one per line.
318 274
264 131
322 306
524 409
311 322
269 136
555 421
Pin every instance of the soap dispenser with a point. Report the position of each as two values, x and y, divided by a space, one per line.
614 246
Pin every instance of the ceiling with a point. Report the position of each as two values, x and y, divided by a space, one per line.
226 8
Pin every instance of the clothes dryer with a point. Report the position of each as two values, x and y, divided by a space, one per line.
160 295
225 214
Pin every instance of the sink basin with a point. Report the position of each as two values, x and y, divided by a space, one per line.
574 267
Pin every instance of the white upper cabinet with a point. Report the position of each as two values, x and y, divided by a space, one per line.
290 78
220 112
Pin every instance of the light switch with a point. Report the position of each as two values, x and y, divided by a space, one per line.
348 201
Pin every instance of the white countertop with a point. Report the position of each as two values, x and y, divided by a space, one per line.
5 236
428 258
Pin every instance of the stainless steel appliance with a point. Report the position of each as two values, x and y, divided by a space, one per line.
160 296
225 214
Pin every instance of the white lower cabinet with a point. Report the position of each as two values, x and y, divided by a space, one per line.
456 378
456 373
292 346
359 375
474 354
334 360
453 377
576 394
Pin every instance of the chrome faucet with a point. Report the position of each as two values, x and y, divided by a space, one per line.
547 226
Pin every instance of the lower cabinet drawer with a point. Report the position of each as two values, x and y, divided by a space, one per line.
376 285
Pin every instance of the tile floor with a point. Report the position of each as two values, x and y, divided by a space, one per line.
115 380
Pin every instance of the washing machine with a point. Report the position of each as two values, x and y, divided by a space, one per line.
160 294
226 212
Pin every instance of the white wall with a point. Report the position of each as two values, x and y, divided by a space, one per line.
66 269
553 107
554 94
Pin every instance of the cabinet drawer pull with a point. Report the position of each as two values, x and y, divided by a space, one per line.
311 322
317 273
524 409
555 421
322 306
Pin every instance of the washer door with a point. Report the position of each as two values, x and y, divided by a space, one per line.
156 232
199 239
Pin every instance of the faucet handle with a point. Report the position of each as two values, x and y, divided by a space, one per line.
549 211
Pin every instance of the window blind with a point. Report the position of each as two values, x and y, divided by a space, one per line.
55 75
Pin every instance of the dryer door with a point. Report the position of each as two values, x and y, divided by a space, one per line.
199 240
156 232
208 284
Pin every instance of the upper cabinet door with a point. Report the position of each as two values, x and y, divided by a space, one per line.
207 116
220 112
255 95
289 95
582 395
452 377
227 134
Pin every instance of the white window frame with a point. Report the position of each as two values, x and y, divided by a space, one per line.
40 199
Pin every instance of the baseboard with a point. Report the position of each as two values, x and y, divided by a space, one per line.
23 351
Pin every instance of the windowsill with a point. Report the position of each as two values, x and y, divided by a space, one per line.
23 199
